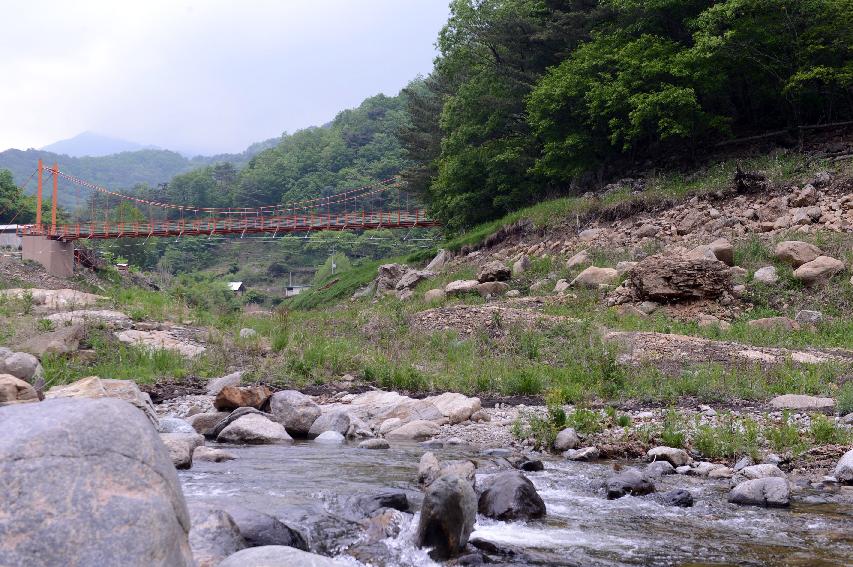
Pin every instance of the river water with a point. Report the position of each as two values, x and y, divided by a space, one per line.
581 527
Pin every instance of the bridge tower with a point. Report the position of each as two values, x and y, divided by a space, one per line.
56 256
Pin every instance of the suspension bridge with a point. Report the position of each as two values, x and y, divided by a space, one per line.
382 205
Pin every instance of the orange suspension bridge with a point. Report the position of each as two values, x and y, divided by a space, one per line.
380 205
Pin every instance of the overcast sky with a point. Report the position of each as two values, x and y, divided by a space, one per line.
204 76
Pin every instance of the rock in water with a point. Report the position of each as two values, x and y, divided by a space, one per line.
93 486
769 491
276 556
260 529
214 536
254 428
510 496
566 439
338 421
629 481
447 517
295 411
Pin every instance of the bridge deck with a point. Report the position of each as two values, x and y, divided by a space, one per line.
238 224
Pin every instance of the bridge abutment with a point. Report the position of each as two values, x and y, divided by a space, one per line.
55 255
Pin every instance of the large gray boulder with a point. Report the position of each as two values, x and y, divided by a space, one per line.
566 439
276 556
510 496
214 536
447 517
20 365
295 411
88 482
95 387
769 491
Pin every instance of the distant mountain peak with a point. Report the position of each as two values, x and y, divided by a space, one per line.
93 144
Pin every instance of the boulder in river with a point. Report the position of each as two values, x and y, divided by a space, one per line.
276 556
95 387
214 536
566 439
175 425
205 423
295 411
447 517
679 498
510 496
628 481
330 438
674 456
254 428
181 447
94 485
212 455
768 491
260 529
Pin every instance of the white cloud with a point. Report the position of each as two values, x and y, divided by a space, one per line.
205 75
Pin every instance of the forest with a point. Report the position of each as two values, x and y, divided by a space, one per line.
531 99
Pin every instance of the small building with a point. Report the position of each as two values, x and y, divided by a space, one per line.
237 287
292 290
9 236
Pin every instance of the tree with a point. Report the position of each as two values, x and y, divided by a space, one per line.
14 205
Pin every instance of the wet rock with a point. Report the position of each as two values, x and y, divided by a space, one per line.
295 411
766 275
276 556
534 465
464 469
253 428
212 455
21 365
181 447
659 468
510 496
330 438
494 272
62 341
205 423
214 536
429 468
175 425
233 397
124 506
802 402
593 277
335 420
770 492
366 505
674 456
679 498
584 454
447 517
566 439
628 481
414 431
16 391
818 270
259 529
796 253
374 444
215 386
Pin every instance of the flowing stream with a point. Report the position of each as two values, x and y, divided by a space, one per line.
581 527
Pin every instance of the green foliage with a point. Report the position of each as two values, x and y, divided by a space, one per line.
844 398
673 434
585 421
14 205
824 431
731 437
784 436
